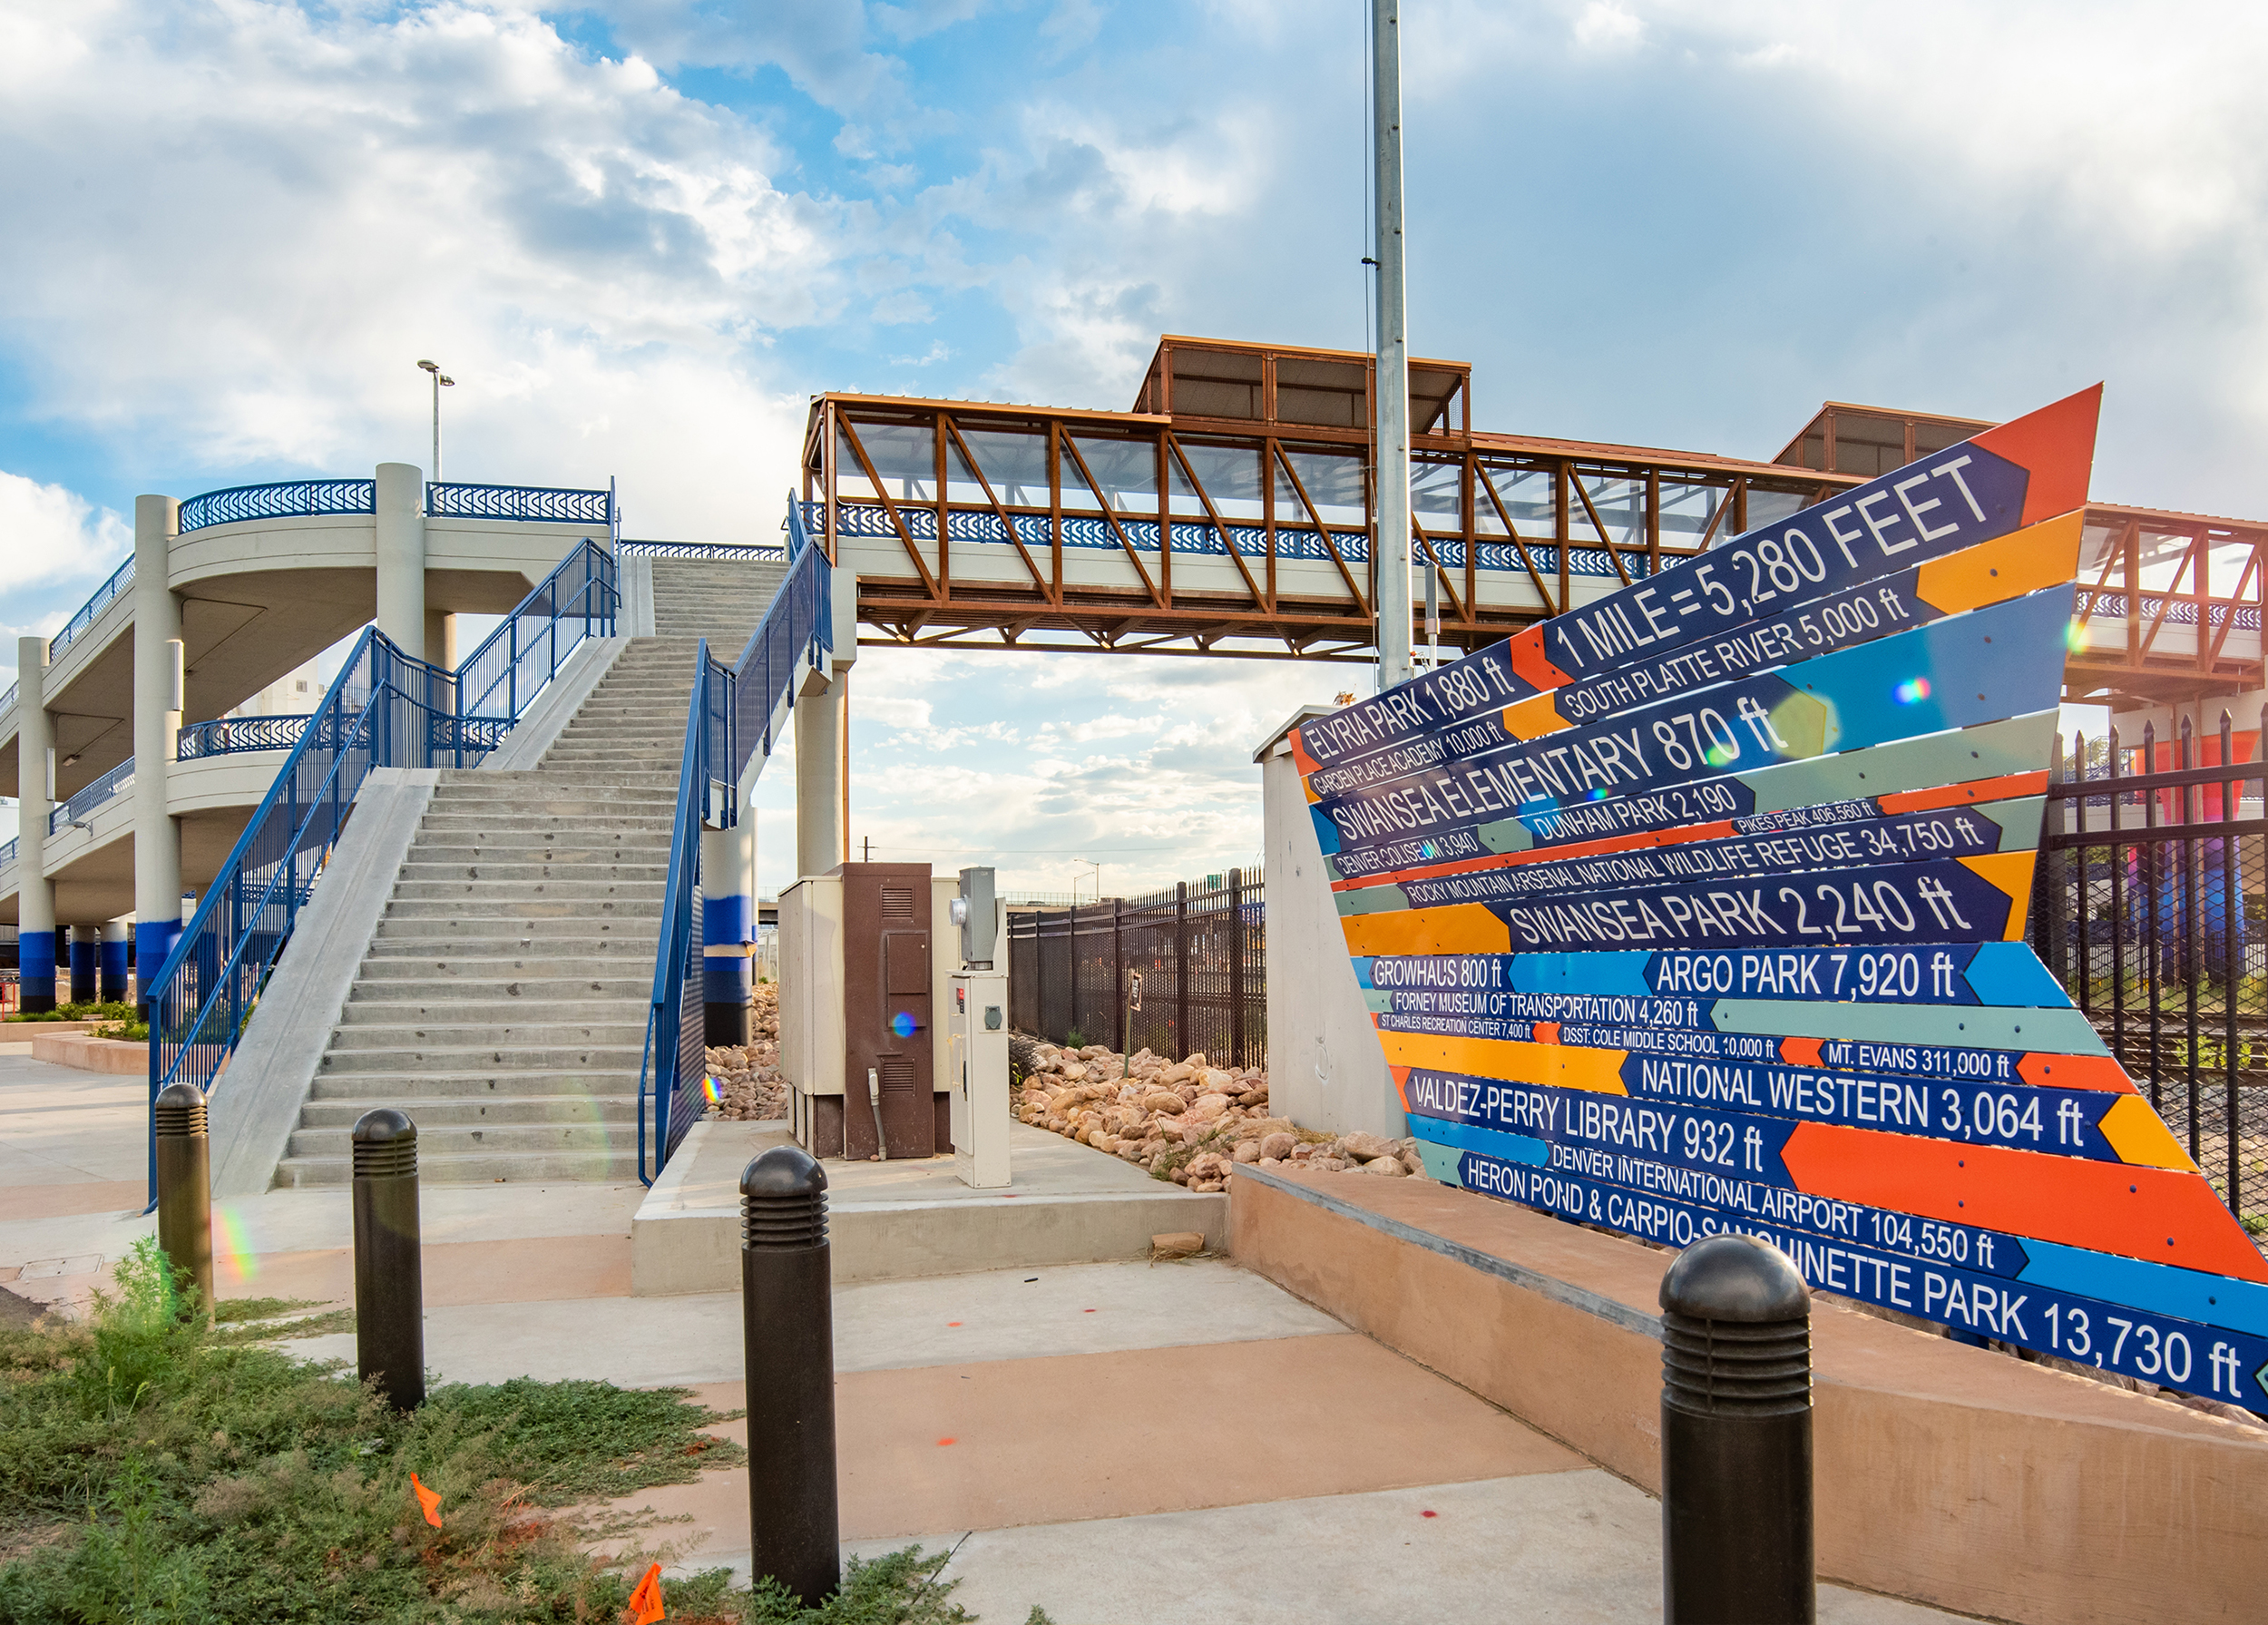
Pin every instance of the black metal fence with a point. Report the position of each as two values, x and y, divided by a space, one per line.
2151 907
1200 953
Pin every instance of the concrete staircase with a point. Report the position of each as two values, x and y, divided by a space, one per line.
502 1001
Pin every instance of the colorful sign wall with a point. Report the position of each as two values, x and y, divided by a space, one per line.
1701 907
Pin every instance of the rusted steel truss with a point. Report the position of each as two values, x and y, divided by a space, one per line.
1230 514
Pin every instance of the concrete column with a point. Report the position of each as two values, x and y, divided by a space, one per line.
86 949
114 990
35 901
441 639
157 729
727 926
820 790
401 534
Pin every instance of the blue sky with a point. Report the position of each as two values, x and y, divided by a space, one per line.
641 234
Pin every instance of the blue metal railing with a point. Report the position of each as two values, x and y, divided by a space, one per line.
121 579
90 796
797 625
8 852
756 553
8 701
226 736
674 1057
284 499
579 599
557 505
385 708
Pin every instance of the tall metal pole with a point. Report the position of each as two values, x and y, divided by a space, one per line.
1391 395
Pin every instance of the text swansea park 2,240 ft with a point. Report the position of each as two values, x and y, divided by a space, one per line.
1700 908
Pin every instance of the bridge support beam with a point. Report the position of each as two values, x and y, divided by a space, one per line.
401 549
157 729
822 778
727 926
114 961
35 901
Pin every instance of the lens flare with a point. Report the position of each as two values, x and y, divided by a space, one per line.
903 1023
709 1087
233 1247
1913 691
2074 637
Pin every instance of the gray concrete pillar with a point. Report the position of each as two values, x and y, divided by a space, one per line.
35 901
822 783
441 639
401 556
157 729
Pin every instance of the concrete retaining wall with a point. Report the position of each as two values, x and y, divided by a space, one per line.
110 1055
1949 1474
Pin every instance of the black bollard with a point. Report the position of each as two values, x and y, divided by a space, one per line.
1737 1436
389 1262
788 1328
184 1154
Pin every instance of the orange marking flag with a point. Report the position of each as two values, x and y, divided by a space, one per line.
645 1602
428 1499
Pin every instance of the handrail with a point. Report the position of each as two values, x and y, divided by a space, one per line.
578 600
798 623
121 579
540 504
758 552
281 499
672 1054
385 708
227 736
7 851
89 795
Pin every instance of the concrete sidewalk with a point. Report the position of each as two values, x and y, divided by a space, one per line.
1181 1443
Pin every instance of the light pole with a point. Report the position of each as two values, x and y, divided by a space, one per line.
441 381
1096 867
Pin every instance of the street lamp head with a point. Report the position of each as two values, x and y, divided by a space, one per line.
429 366
447 382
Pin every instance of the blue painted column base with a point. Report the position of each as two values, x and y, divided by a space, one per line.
35 963
725 995
114 971
154 940
86 982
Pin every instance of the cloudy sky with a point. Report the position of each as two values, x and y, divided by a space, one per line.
641 234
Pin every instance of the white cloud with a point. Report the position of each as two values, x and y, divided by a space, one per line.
52 535
252 224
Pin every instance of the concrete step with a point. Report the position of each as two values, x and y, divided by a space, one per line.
527 827
465 1058
624 847
443 1139
467 965
590 892
516 1111
618 1167
487 910
365 1085
437 1024
416 868
444 932
543 987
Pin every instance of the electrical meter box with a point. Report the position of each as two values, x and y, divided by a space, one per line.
861 982
976 1043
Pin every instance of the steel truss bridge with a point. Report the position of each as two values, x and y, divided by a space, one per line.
1231 513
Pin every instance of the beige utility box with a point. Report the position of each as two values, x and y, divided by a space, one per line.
835 973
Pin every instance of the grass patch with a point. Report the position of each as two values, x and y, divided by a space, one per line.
159 1464
88 1010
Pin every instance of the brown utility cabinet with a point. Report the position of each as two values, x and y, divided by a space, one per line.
864 959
